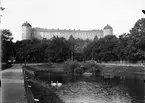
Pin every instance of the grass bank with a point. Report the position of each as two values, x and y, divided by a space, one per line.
88 66
123 70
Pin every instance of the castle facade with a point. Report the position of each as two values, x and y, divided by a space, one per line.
40 33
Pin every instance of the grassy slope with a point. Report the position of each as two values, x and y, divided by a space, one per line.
112 68
131 69
54 67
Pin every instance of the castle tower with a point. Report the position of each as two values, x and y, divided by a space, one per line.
26 31
107 30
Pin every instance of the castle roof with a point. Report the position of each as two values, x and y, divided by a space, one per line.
107 27
63 30
26 24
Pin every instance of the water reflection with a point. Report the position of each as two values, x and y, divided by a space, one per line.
120 88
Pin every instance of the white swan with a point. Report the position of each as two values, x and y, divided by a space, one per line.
36 100
53 84
58 84
29 86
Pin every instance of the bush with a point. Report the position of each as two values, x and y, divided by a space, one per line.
74 67
6 65
70 66
91 66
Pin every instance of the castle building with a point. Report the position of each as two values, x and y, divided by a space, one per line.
28 32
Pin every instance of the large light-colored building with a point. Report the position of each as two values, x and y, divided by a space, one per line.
28 32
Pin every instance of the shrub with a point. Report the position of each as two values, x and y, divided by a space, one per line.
70 66
6 65
91 66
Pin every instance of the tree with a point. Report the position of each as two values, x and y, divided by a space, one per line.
7 45
6 35
58 50
136 41
30 50
121 48
72 42
96 38
88 51
103 49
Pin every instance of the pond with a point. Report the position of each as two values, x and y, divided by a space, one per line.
101 89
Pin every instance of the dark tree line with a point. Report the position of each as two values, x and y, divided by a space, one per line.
6 45
53 50
127 47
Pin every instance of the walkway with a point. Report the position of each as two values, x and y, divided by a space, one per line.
12 85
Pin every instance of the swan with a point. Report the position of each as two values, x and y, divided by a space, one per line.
58 84
29 86
36 100
53 84
87 74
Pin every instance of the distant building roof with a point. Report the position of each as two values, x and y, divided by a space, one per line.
63 30
26 24
107 27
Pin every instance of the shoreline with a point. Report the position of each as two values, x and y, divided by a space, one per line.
123 64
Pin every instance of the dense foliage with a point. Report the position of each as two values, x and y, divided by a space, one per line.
74 67
126 47
58 50
54 50
7 45
30 51
103 49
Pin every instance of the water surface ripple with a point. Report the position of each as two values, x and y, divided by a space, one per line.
93 92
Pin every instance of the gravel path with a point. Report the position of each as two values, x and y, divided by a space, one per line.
12 85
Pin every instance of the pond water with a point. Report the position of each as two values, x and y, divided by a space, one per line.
101 89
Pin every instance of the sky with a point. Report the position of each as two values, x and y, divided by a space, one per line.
71 14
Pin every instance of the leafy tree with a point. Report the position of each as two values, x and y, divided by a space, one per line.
7 46
6 35
72 40
136 42
121 48
30 50
103 49
58 50
88 51
107 48
96 38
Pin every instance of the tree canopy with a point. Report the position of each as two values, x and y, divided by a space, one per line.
128 47
7 45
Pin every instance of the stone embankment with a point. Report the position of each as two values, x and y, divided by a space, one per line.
37 89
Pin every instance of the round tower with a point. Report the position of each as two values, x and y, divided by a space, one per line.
26 31
107 30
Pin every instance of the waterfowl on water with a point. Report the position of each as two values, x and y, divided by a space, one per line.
29 86
59 84
87 74
36 100
53 84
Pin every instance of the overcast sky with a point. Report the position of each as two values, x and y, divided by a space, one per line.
71 14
